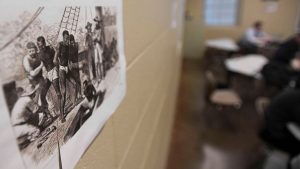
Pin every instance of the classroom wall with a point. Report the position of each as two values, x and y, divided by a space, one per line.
137 136
282 23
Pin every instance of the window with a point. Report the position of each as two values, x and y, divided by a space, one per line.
221 12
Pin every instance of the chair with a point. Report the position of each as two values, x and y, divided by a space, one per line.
221 96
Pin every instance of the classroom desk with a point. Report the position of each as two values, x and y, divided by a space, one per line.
244 73
225 44
217 50
249 65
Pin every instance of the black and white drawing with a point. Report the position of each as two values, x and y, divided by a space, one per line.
58 67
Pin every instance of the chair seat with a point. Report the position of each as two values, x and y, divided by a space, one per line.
225 97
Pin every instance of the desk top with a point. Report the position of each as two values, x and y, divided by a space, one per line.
249 65
223 44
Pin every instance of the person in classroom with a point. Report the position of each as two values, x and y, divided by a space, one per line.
283 70
254 38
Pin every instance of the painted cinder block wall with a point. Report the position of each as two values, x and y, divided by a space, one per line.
137 136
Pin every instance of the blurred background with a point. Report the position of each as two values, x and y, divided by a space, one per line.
236 107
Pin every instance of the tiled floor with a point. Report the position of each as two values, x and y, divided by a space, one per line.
207 138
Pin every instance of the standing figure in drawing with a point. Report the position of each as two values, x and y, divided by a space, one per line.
98 43
74 66
46 54
89 46
33 65
62 59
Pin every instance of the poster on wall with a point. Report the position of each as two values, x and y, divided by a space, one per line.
62 74
271 6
